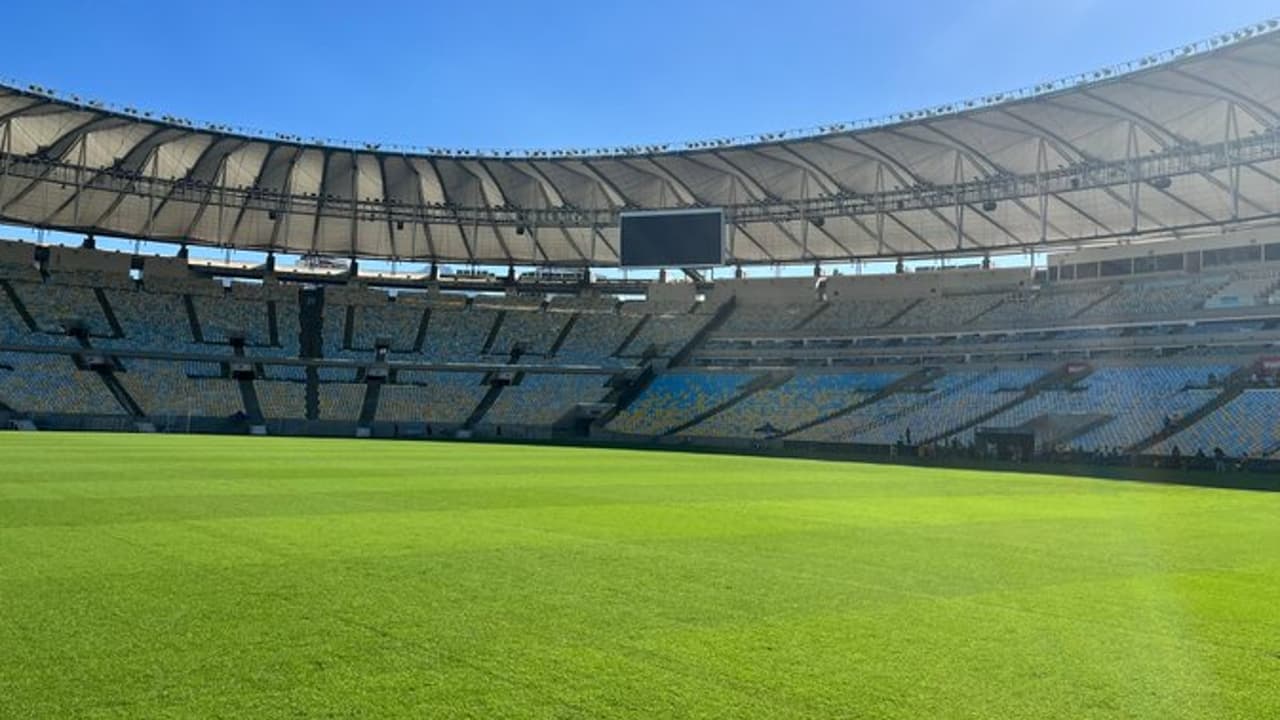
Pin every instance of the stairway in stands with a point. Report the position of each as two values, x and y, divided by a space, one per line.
424 324
1232 387
1061 377
108 313
635 331
563 335
369 407
1115 290
493 332
192 318
19 306
495 388
926 398
106 373
813 315
311 342
717 319
627 386
311 322
898 315
252 408
764 382
902 384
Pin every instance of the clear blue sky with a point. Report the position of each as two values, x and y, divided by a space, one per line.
554 74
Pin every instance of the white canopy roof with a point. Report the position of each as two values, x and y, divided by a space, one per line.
1181 140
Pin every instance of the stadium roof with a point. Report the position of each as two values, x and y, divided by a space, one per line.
1188 138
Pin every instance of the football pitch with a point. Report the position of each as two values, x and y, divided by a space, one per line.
186 576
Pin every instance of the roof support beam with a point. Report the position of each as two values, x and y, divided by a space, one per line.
594 173
742 228
986 166
6 117
355 204
552 196
77 136
828 183
899 170
1163 137
480 179
457 218
284 211
322 199
6 153
189 179
141 152
1260 112
387 203
120 196
683 194
252 191
217 184
1069 149
422 220
753 189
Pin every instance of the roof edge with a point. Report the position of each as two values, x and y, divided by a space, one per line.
1110 73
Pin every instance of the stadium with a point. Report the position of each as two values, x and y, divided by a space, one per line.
267 470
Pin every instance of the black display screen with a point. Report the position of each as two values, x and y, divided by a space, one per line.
682 238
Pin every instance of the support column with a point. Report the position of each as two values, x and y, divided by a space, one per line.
6 147
1042 166
1131 162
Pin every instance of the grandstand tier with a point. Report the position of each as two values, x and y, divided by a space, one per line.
1134 364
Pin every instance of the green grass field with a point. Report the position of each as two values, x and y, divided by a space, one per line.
145 576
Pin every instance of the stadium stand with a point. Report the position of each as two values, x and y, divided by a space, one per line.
458 335
445 398
798 400
676 398
1143 298
296 373
665 335
533 331
222 318
341 401
1044 307
845 315
949 312
1126 404
51 383
162 388
56 306
822 371
542 399
1245 290
150 320
281 400
764 319
594 338
396 323
1247 426
944 404
1155 298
